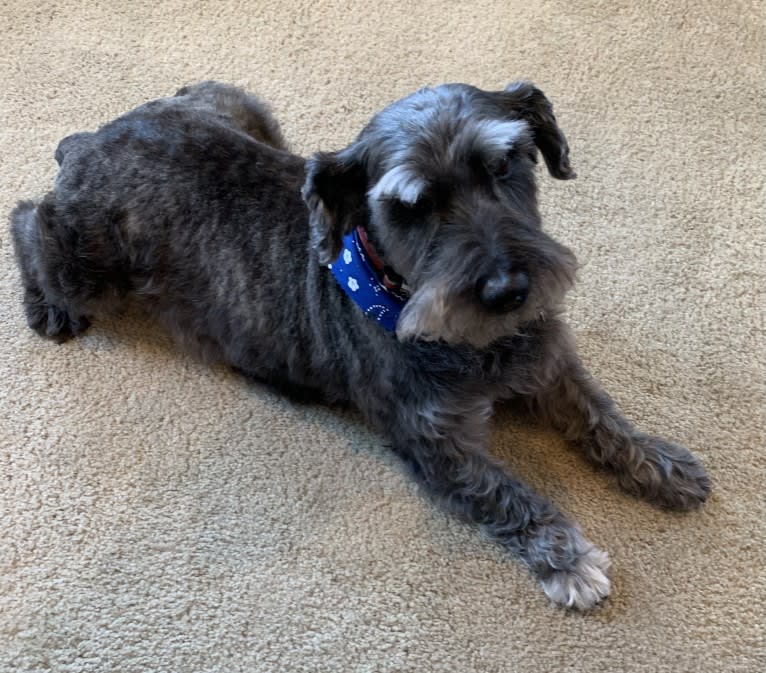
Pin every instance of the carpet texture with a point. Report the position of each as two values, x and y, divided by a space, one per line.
161 515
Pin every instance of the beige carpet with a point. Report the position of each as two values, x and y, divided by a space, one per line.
160 515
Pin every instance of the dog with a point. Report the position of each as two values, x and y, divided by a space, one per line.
407 274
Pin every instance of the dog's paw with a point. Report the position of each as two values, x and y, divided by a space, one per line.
584 585
51 321
666 474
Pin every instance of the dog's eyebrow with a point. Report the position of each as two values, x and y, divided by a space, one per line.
401 182
495 135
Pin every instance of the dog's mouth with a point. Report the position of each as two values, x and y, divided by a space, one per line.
468 301
480 312
434 313
386 274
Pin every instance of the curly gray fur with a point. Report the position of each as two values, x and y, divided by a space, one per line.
192 206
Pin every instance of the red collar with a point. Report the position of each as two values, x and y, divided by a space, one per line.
391 279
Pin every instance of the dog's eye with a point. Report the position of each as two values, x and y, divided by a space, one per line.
419 208
503 166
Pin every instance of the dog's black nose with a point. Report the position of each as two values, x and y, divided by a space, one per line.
504 290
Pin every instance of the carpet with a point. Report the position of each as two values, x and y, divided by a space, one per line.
157 514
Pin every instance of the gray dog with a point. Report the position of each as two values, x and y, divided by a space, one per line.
407 274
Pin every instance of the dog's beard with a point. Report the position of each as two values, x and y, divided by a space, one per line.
435 313
431 314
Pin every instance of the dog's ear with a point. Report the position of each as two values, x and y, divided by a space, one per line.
523 100
335 193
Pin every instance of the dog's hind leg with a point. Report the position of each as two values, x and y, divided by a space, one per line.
47 313
445 448
62 279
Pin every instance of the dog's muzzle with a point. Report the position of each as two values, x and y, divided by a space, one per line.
503 291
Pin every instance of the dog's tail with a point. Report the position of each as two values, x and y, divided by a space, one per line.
68 144
248 112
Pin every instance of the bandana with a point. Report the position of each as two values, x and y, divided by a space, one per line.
365 279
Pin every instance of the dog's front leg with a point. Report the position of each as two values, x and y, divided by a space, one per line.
663 473
445 446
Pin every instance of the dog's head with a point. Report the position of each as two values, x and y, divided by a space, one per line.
443 181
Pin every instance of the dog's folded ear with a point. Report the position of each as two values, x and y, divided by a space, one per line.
523 100
335 193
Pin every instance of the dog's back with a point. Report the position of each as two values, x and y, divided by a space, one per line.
159 204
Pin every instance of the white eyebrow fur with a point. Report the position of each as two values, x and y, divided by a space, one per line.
401 182
499 136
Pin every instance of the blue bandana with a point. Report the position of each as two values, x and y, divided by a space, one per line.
356 275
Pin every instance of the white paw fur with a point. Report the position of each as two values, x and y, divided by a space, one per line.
583 587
